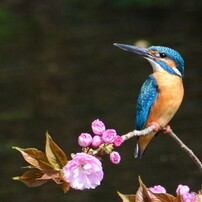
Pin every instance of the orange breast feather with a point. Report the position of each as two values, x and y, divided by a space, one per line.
170 96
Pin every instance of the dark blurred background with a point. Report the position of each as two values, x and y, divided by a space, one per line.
59 71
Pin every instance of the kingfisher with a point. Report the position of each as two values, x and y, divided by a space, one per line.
161 94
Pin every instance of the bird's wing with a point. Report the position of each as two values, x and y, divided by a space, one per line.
146 98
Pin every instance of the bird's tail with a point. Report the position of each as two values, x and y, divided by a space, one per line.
137 153
142 143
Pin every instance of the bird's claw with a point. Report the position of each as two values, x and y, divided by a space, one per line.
166 129
157 128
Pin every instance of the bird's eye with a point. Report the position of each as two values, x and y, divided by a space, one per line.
162 55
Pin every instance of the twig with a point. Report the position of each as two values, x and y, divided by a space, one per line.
146 131
186 149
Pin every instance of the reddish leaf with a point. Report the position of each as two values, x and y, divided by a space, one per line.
66 186
164 197
145 195
32 178
30 167
55 155
127 198
142 193
35 157
45 177
178 199
55 176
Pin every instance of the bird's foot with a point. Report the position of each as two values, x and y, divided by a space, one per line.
166 129
156 124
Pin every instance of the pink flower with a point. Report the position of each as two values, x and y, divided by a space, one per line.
83 172
109 136
85 139
98 127
97 141
115 157
157 189
118 141
189 197
182 189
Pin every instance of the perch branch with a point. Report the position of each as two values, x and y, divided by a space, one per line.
149 129
186 149
144 132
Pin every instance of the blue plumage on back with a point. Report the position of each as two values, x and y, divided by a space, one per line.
146 98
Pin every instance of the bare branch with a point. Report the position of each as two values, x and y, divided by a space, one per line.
172 135
186 149
144 132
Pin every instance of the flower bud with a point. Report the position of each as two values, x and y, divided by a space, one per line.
98 127
97 141
109 136
118 141
182 189
84 139
115 157
190 197
157 189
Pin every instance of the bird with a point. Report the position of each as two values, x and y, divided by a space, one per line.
161 94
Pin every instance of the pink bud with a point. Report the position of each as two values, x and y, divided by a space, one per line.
157 189
182 189
84 139
118 141
98 127
108 136
190 197
97 141
115 157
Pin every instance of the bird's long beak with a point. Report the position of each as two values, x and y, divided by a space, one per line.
134 49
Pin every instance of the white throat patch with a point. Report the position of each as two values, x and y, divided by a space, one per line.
157 68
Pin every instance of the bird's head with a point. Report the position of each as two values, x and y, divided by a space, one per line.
161 58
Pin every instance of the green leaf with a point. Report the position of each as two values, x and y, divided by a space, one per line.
32 178
55 155
35 157
127 198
